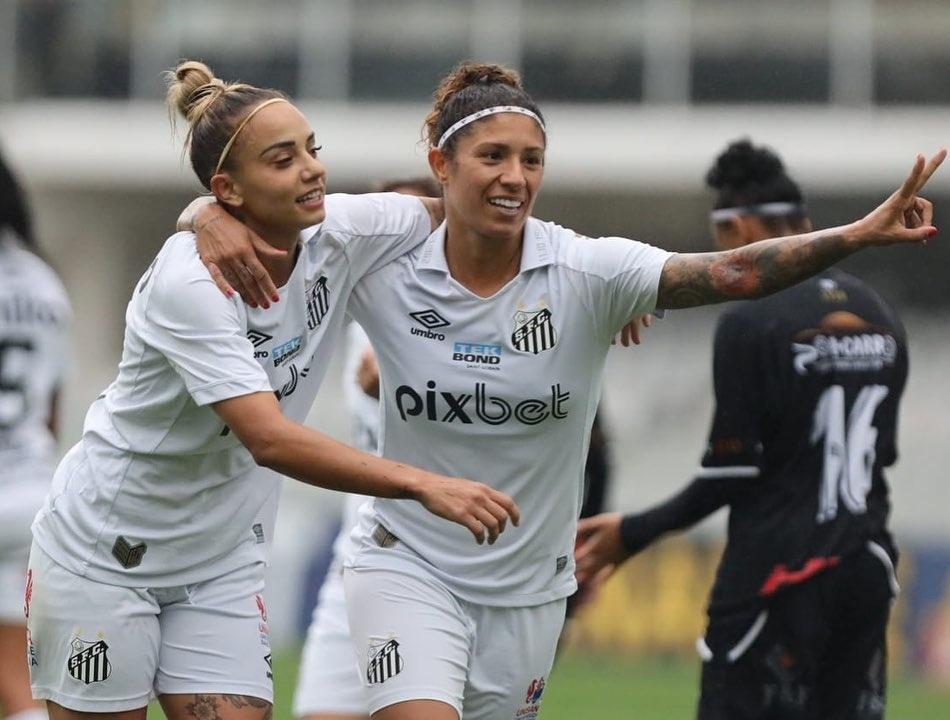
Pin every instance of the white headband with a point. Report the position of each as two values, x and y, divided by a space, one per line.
485 113
772 209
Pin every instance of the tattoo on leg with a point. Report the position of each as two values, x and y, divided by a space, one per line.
243 701
205 707
240 702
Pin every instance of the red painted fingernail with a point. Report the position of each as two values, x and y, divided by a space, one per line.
933 233
275 298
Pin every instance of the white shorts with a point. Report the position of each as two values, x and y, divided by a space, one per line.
329 680
416 640
95 647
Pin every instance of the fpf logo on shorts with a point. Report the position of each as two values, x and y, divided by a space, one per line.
532 700
534 331
89 661
385 663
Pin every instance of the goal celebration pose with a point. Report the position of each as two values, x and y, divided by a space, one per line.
491 338
148 555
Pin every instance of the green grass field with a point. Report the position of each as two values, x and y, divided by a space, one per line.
607 687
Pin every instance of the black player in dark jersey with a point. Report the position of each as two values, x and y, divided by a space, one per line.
807 384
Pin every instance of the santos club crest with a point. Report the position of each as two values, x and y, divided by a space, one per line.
89 661
534 331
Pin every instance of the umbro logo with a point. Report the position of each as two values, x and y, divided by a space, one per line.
430 320
258 338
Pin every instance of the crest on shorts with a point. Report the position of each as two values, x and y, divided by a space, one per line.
89 662
534 331
128 555
385 662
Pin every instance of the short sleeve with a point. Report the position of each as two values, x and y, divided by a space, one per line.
199 331
376 227
622 278
735 439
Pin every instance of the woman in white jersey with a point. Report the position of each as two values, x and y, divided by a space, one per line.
34 347
491 338
148 555
328 680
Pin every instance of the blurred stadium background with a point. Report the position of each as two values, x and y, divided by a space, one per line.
640 95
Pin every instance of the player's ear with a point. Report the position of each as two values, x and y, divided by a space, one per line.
226 190
438 162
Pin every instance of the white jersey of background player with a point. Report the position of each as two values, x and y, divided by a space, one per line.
328 682
34 349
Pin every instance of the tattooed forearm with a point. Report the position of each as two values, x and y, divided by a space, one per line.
751 271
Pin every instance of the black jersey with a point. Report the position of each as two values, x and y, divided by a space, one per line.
808 383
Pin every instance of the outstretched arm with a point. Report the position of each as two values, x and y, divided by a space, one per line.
765 267
605 541
313 458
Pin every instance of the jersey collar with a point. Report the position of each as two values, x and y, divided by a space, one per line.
536 250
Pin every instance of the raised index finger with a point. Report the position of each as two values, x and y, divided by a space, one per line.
920 174
930 168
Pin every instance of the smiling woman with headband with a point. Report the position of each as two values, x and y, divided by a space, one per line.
160 518
491 339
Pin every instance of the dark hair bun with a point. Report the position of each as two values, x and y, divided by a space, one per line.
743 164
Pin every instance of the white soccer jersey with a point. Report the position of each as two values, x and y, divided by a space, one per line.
501 390
34 329
159 492
364 434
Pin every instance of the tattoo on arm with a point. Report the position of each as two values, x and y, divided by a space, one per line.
751 271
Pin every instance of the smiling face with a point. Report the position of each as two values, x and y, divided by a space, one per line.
492 179
276 184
